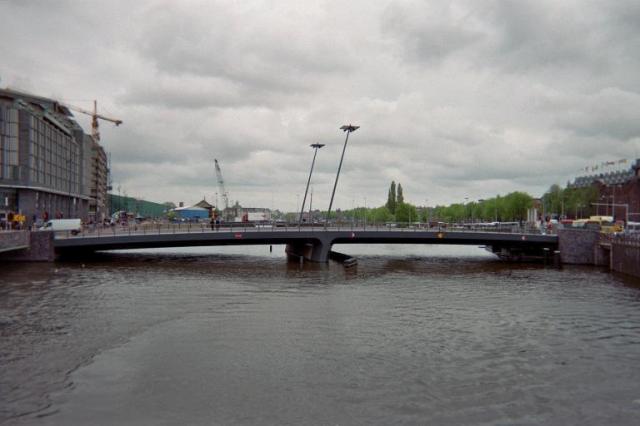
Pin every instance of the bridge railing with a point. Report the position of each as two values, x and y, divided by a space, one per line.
627 239
158 228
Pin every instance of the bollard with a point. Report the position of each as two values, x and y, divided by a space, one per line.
556 259
270 249
546 255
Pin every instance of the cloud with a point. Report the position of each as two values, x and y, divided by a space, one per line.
454 100
429 32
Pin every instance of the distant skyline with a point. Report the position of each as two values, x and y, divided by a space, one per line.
455 100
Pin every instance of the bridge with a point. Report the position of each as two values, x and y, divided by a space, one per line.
312 243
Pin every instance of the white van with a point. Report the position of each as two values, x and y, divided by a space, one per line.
72 225
632 228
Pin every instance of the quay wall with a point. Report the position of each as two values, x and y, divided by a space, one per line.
13 240
39 248
625 256
578 246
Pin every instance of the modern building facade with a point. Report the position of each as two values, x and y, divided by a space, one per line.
48 166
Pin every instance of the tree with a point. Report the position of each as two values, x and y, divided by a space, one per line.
400 195
553 200
516 205
379 215
391 198
405 212
578 201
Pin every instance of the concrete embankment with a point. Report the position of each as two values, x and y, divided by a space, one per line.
590 247
578 246
625 256
26 246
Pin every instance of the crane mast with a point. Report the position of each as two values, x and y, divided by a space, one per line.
225 194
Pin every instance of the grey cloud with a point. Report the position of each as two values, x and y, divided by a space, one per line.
537 35
610 113
454 99
186 93
264 52
428 31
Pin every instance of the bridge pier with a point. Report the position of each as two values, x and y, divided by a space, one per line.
312 251
27 246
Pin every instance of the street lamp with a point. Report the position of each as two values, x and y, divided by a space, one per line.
466 206
347 129
316 147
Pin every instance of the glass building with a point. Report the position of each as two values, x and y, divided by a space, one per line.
49 168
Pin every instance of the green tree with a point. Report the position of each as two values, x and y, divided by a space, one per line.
400 195
578 201
391 198
405 212
516 205
553 200
379 215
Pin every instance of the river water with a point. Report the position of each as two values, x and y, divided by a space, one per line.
413 335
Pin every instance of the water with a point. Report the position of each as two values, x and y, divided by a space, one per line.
414 335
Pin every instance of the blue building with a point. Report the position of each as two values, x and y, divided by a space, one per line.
195 213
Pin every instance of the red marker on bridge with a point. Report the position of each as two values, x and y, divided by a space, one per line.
237 236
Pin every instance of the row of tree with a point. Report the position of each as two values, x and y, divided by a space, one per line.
511 207
570 202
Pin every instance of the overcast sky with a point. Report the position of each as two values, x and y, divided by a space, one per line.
454 99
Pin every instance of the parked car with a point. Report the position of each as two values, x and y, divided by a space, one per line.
72 225
632 228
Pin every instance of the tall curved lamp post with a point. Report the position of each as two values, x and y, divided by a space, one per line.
316 147
348 129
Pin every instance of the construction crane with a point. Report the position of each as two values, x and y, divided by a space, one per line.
95 133
225 194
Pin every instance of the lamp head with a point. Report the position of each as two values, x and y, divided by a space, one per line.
349 128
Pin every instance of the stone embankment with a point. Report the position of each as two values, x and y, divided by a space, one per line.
621 253
26 246
578 246
625 254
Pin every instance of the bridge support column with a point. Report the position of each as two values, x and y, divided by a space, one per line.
39 248
316 251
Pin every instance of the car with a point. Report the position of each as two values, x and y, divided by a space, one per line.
632 228
72 225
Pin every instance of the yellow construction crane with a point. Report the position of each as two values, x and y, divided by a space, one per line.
94 119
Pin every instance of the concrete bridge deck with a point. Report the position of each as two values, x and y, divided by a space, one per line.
312 243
